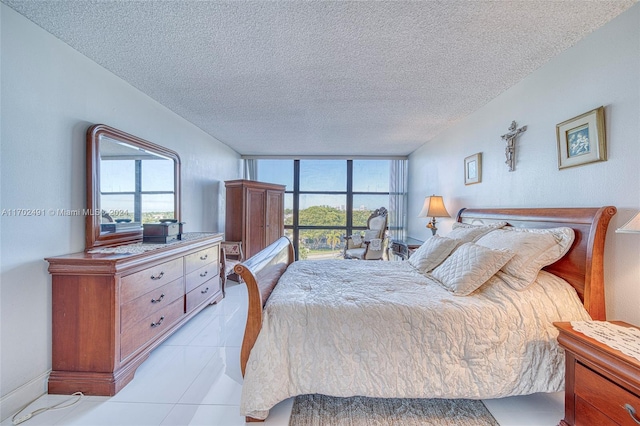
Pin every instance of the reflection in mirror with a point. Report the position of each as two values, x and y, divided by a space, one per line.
133 182
136 186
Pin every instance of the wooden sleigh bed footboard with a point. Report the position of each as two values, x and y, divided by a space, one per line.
261 274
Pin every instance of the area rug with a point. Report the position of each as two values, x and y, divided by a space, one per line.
321 410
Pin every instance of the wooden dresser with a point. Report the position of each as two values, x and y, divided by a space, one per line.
602 384
254 214
113 306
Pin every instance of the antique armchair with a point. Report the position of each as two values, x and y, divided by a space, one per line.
371 244
230 255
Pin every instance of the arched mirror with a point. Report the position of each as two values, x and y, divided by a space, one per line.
130 181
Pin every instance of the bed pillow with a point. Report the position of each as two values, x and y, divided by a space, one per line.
533 249
467 233
432 253
371 234
470 266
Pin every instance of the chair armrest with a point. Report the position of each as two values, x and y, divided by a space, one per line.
374 254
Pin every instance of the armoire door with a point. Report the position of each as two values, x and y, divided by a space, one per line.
275 215
255 226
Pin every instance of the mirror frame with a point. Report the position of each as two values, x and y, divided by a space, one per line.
93 236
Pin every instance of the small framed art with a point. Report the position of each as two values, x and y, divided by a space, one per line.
581 140
473 169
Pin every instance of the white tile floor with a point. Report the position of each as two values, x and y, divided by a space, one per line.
194 379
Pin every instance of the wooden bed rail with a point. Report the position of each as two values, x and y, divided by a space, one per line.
261 274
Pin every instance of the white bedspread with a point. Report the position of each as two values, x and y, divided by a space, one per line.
381 329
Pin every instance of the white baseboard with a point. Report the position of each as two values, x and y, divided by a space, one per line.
15 400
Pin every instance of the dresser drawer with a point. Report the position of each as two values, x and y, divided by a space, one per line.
202 293
137 309
199 259
600 392
142 282
199 276
150 327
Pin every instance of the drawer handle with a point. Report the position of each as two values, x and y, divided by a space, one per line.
206 290
204 257
204 274
158 299
155 324
153 277
632 412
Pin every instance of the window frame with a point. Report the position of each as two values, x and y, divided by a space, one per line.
349 194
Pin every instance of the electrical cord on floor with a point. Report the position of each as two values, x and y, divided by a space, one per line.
17 420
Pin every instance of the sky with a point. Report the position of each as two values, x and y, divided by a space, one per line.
330 175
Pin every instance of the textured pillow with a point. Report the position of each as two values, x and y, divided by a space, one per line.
469 267
533 249
432 253
467 233
371 234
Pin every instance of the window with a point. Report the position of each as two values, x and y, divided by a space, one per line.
327 199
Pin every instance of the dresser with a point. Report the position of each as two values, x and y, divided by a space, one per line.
254 214
113 306
602 384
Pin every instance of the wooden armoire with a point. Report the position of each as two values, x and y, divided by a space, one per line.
255 214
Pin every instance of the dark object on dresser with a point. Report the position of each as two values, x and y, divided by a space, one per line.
164 232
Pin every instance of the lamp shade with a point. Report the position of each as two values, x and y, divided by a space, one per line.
434 207
633 226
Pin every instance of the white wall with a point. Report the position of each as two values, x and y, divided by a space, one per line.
50 95
603 69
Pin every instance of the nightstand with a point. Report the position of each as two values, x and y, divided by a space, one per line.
602 385
404 248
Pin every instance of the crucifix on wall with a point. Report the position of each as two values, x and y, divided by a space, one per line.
510 139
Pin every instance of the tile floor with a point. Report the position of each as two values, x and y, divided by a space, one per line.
194 378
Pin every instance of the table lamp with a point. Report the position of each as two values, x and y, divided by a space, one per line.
433 207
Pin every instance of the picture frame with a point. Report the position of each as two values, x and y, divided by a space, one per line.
473 169
582 140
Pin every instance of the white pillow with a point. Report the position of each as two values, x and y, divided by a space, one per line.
533 249
469 267
432 253
370 234
468 233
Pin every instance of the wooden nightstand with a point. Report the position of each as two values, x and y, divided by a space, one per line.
602 384
404 248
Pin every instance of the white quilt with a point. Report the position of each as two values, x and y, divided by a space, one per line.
382 329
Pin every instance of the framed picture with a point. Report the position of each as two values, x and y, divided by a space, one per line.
473 169
581 140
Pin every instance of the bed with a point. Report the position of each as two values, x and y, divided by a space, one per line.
388 329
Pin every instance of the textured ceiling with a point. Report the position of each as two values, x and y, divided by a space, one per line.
321 77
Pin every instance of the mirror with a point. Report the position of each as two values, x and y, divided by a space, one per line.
130 181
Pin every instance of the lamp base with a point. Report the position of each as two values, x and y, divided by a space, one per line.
432 225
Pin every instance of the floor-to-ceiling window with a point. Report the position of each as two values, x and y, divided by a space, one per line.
326 199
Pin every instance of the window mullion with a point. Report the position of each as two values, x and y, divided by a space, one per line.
349 211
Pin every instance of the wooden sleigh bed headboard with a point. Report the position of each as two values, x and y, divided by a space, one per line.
582 266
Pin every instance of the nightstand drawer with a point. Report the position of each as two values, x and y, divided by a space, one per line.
609 398
588 415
